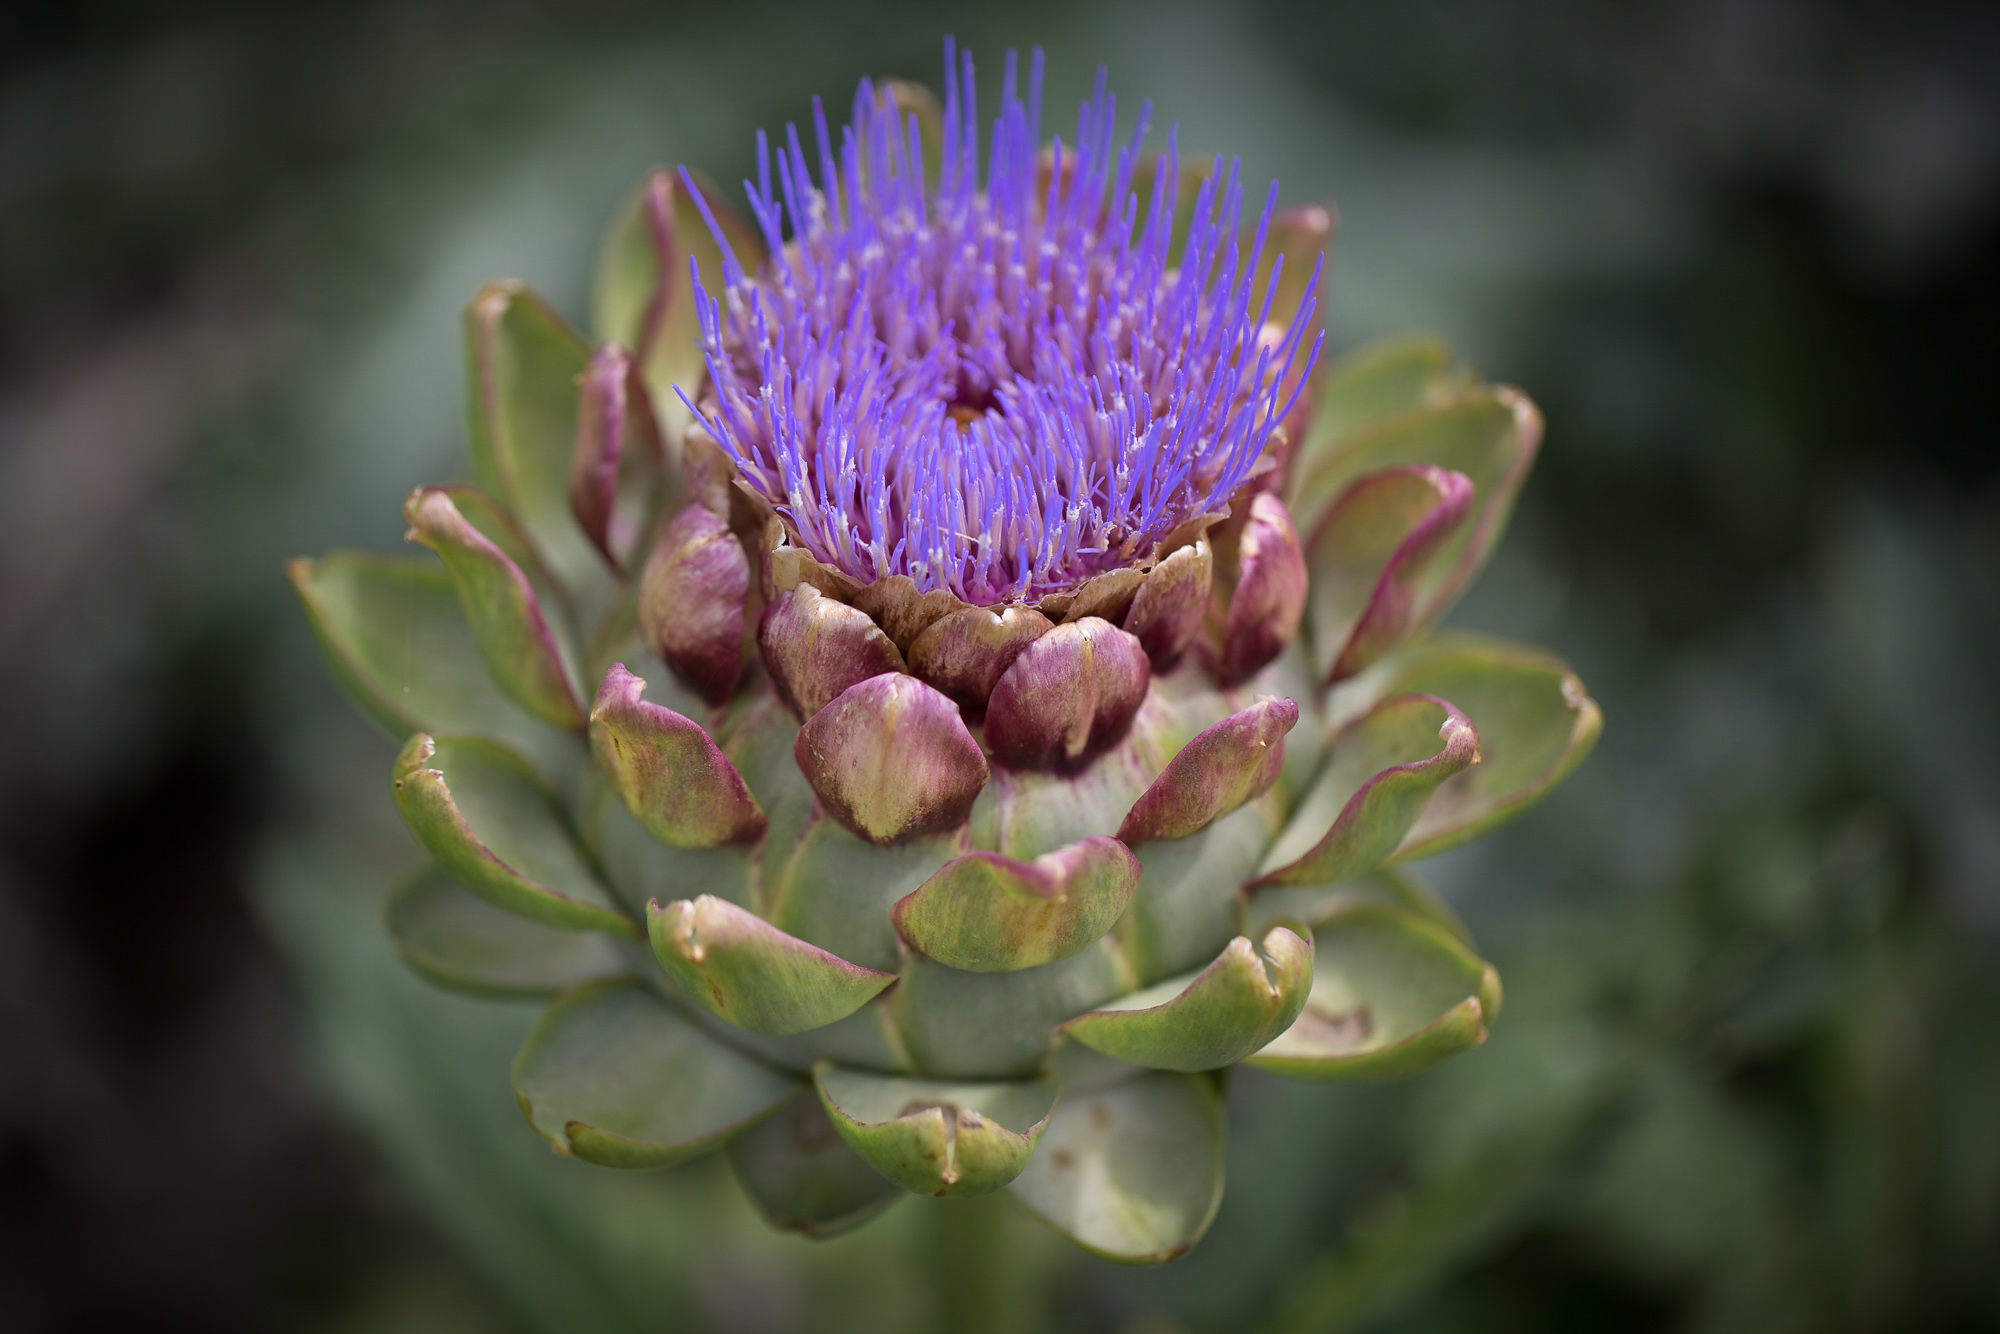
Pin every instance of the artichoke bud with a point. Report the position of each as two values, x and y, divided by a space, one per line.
1002 807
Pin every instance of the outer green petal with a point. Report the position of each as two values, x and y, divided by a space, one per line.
865 1040
1372 560
989 914
837 889
1382 888
760 742
1389 376
639 868
1391 995
1535 726
1383 770
801 1175
393 632
1235 761
1023 813
739 967
482 812
933 1137
522 646
641 297
459 939
999 1025
524 365
1214 1018
1488 433
672 776
1188 897
614 1076
1132 1172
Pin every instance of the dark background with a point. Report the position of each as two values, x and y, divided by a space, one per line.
1746 254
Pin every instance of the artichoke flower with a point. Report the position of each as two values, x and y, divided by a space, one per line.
950 673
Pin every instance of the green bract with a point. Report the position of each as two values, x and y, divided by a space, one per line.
881 889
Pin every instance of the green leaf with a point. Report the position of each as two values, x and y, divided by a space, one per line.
524 365
1392 994
1383 888
459 939
614 1076
988 914
801 1175
935 1137
739 967
487 818
1535 726
1488 433
520 640
394 635
1132 1172
1383 770
1213 1018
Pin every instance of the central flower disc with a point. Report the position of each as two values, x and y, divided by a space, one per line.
1001 388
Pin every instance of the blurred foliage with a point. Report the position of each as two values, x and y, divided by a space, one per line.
1744 252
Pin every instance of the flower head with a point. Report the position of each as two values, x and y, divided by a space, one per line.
947 898
1009 379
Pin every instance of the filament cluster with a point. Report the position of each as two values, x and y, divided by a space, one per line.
1006 380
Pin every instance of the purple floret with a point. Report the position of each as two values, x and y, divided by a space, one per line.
998 389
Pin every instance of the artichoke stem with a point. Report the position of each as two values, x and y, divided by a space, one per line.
981 1279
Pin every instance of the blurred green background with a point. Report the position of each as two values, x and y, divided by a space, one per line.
1746 253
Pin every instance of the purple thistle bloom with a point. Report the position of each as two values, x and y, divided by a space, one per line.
998 389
